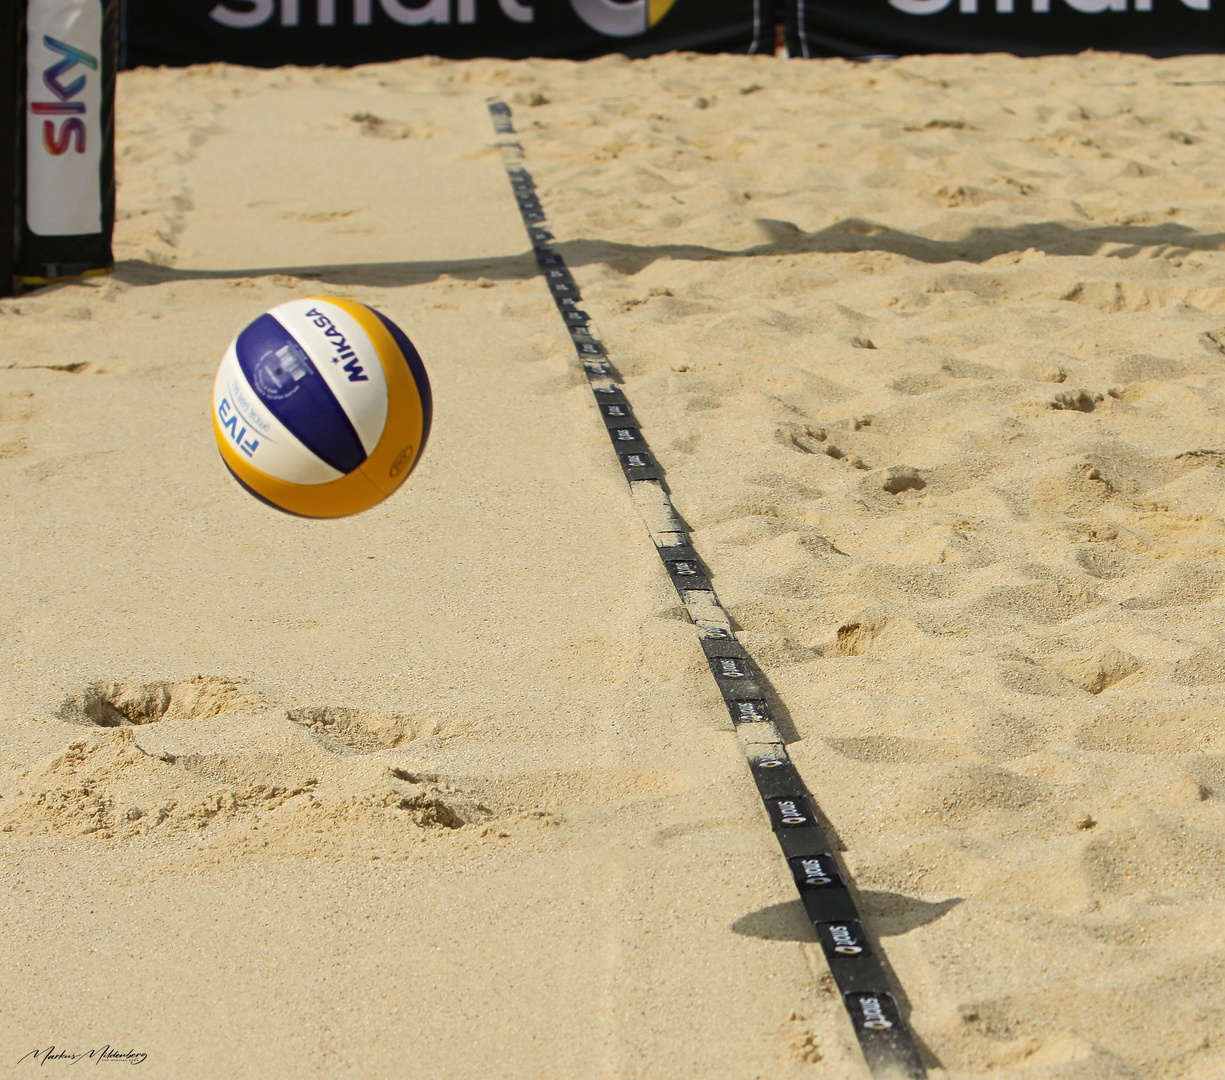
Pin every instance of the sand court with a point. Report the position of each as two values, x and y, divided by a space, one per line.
349 183
932 352
381 663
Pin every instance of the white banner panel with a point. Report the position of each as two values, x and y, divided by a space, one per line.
64 117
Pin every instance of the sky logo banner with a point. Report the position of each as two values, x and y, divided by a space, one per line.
268 33
63 117
1025 27
67 203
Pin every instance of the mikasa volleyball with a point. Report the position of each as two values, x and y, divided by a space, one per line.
321 407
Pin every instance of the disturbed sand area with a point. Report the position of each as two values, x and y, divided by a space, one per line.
932 351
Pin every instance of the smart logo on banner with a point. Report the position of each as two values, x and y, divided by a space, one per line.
268 33
434 11
1023 27
63 117
620 19
1038 7
615 18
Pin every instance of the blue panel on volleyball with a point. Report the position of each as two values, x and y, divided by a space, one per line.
290 387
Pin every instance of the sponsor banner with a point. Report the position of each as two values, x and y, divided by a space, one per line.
268 33
63 117
10 113
69 189
866 28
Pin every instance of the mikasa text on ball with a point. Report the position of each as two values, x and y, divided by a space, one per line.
321 407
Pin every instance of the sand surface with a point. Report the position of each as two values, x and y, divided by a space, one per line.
934 353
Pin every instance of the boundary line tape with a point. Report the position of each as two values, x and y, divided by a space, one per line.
884 1037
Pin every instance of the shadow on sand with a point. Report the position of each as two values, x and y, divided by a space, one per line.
848 236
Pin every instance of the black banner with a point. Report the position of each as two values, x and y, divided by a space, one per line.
70 55
864 28
268 33
10 116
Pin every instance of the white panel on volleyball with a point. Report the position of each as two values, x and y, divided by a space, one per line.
258 435
333 339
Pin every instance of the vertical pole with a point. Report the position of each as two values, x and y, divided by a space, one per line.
12 83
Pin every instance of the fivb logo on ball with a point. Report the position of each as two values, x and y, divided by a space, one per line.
63 118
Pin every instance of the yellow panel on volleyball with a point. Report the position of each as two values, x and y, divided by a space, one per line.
350 494
393 458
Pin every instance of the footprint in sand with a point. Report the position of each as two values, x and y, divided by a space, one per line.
107 786
808 439
119 704
885 490
1076 400
360 730
1096 670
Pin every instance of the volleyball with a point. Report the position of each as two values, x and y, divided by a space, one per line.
321 407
